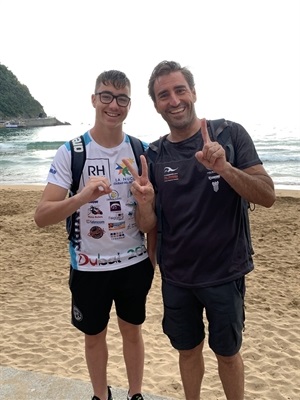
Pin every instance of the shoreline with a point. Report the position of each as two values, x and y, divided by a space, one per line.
39 122
36 187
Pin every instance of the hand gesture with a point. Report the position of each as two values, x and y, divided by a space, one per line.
95 187
213 155
141 187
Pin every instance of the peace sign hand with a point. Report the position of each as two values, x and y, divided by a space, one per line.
212 156
141 187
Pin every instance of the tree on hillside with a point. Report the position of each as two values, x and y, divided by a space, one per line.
15 98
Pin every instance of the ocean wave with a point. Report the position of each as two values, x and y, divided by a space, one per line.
291 158
26 156
44 145
18 147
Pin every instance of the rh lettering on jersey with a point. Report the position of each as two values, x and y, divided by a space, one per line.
95 170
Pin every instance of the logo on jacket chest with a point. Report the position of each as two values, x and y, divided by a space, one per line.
170 174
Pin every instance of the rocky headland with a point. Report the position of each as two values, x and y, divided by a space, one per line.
18 108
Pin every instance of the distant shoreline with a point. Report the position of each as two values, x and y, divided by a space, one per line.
15 123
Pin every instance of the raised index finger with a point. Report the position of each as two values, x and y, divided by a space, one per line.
204 131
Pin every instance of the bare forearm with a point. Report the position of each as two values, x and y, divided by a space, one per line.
151 245
53 212
145 218
257 187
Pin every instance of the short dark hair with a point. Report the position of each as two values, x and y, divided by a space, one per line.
166 68
113 77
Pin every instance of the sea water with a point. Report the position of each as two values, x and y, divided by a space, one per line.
26 153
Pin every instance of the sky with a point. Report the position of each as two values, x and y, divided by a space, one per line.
244 55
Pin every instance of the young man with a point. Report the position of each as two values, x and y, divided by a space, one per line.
204 244
109 261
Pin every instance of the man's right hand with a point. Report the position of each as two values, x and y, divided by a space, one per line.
141 187
143 192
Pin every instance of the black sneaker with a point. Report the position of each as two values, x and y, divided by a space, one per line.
109 395
136 396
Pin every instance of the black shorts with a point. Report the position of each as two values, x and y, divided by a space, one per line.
94 292
224 307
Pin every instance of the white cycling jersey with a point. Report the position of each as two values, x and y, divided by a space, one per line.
106 236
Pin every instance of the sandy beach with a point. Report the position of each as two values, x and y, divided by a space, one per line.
36 334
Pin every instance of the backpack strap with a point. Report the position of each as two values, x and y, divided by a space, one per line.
138 150
154 149
221 132
152 153
78 156
217 126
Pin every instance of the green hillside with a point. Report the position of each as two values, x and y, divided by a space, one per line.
15 98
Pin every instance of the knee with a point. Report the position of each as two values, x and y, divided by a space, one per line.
229 360
191 353
186 353
92 341
131 333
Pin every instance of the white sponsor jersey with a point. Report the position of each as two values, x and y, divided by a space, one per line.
106 237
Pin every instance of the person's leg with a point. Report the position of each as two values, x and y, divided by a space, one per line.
191 365
133 351
231 372
226 316
183 324
91 304
96 354
131 289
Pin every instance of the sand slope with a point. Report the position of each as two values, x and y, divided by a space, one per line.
36 334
